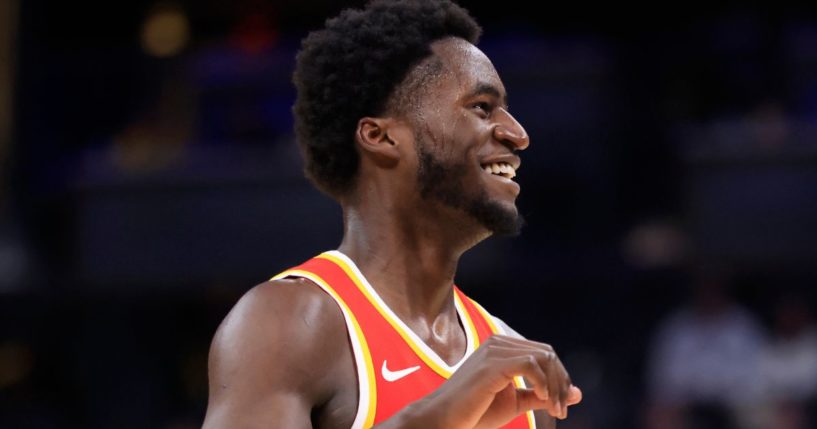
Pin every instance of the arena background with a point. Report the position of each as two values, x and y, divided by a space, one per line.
149 177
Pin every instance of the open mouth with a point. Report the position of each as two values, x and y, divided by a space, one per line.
500 169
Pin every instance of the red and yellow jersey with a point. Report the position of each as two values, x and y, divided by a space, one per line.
394 366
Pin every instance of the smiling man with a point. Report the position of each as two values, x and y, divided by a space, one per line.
405 122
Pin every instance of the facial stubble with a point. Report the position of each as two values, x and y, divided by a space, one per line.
443 181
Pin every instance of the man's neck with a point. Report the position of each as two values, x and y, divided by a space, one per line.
410 261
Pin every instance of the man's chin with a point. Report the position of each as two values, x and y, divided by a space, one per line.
500 219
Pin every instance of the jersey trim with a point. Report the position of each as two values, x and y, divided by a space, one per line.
367 382
519 382
425 353
468 323
367 389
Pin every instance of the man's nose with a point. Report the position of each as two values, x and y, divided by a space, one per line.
509 131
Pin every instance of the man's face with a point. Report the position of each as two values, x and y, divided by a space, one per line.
465 140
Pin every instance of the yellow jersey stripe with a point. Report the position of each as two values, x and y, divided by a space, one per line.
417 350
519 382
470 323
371 387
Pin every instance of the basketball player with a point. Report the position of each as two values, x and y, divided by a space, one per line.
405 123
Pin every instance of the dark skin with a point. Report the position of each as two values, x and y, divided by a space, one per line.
282 358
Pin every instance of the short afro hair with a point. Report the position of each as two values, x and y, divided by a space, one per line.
351 68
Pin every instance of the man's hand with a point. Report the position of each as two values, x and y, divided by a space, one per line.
481 393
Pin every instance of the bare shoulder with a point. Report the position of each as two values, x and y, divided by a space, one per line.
269 309
270 355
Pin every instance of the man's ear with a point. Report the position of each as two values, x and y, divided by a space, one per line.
378 138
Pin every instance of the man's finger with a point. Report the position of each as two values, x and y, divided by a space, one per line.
527 400
574 395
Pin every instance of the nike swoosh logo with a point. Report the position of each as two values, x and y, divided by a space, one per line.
396 375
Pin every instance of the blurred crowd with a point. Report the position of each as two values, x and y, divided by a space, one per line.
713 363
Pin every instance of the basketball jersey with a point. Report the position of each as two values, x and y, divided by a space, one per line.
394 366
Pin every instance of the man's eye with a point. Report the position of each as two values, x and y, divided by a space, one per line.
485 107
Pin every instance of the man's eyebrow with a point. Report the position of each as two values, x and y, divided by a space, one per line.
483 88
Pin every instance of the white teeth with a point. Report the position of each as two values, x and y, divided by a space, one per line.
501 169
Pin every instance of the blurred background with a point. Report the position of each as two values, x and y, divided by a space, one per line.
149 177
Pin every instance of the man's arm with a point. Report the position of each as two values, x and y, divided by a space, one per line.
273 357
